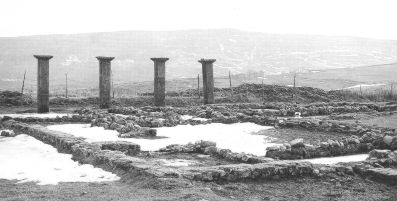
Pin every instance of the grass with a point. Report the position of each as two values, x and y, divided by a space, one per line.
378 95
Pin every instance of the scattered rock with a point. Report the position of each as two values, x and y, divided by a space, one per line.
7 133
387 139
128 148
297 143
379 153
393 144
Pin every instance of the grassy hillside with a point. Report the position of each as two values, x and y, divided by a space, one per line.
370 77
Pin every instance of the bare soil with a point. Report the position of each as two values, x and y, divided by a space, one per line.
381 121
283 135
332 188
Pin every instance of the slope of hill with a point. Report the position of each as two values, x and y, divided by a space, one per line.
237 51
369 77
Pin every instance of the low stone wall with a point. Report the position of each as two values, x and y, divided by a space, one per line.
297 149
208 147
171 116
100 154
238 172
292 150
333 126
72 118
322 108
128 148
381 166
127 127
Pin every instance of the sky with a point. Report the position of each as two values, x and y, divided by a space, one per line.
364 18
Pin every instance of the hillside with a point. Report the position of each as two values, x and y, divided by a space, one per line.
237 51
369 77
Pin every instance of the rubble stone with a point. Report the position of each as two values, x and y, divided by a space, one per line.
7 133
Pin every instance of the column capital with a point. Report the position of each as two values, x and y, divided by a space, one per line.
102 58
159 59
206 61
43 57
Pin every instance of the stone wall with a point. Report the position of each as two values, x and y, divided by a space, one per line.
381 166
103 155
353 144
208 147
314 124
322 108
113 157
71 118
126 126
359 139
239 172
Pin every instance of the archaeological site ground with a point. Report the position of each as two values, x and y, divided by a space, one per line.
249 142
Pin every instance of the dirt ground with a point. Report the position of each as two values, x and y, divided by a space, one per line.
32 109
283 135
389 121
381 119
335 188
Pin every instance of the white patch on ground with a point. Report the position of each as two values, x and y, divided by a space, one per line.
176 162
122 115
338 159
199 119
238 137
188 117
36 115
92 134
9 80
27 159
364 85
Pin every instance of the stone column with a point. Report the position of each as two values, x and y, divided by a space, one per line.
208 80
104 81
43 83
159 81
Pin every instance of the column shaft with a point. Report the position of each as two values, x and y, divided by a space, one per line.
159 81
105 81
43 83
208 80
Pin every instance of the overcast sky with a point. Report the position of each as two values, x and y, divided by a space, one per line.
367 18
